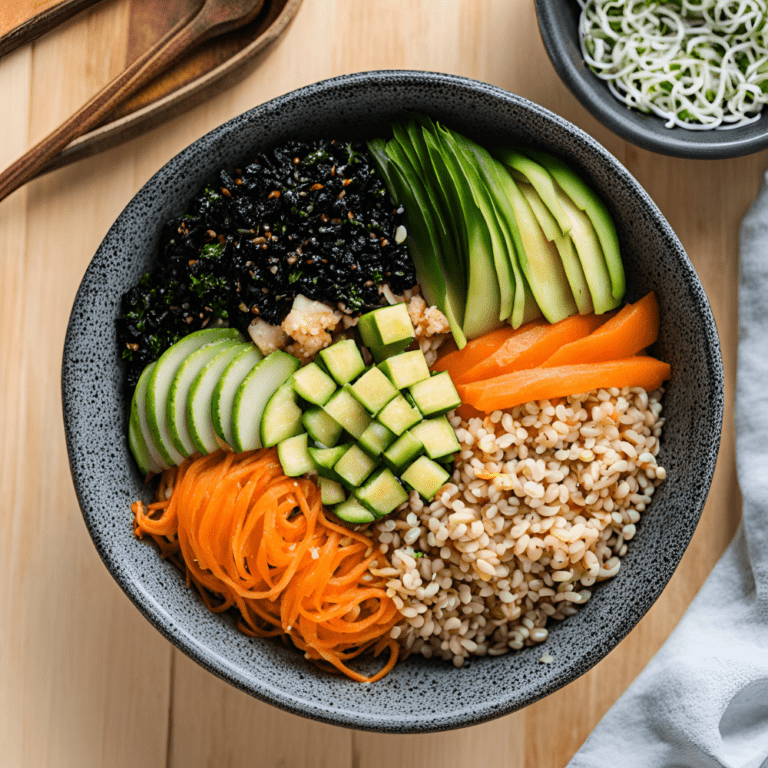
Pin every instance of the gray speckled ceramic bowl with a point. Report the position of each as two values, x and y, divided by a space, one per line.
419 695
558 22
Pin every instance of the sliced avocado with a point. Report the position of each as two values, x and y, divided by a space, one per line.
484 199
483 300
586 200
539 178
421 241
439 213
524 308
541 262
564 244
591 257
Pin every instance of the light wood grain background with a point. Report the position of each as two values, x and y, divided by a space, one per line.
84 679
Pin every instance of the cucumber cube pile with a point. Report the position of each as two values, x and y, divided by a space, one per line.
372 433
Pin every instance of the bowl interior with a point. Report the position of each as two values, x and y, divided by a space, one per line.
419 695
558 23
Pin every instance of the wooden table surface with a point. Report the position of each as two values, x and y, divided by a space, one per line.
84 679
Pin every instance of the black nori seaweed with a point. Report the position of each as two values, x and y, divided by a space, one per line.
310 218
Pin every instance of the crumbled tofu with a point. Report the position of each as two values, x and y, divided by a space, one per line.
267 337
427 321
309 324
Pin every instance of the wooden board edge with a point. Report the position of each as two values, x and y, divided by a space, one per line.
43 22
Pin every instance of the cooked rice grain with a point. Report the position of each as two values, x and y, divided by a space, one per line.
541 505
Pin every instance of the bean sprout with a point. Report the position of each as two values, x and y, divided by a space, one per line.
698 64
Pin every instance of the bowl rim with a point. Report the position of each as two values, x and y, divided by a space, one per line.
584 84
174 631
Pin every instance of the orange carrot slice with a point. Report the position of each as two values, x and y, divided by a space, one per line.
513 389
479 349
635 327
530 348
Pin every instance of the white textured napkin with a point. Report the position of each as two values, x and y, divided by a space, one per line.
702 701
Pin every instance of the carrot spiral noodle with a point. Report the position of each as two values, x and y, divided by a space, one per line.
250 538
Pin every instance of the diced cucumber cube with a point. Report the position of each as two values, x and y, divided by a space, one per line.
373 390
282 417
294 456
313 384
325 458
353 467
403 451
426 477
436 395
343 360
352 511
398 415
375 439
406 369
321 427
387 325
438 437
346 411
382 493
331 492
380 354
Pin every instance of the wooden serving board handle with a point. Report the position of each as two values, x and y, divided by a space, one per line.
21 21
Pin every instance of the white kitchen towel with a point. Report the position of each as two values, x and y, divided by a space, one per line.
702 701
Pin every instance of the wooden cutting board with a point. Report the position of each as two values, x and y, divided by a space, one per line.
212 65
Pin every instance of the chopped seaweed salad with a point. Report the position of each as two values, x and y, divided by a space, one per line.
311 218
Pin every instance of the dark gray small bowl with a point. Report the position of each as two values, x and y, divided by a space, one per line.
558 23
419 695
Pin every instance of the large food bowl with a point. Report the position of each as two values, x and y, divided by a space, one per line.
419 695
559 27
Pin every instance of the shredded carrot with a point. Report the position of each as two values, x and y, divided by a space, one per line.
250 538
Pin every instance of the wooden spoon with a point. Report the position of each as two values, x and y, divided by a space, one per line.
216 17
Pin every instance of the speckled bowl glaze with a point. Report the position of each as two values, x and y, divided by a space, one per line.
558 23
420 695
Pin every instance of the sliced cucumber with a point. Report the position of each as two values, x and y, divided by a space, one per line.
139 438
253 395
406 369
426 477
331 492
380 354
382 493
353 467
282 417
376 439
178 397
321 427
398 415
403 451
313 384
438 437
160 381
201 395
343 360
388 325
294 456
352 511
346 411
325 458
223 398
436 395
373 390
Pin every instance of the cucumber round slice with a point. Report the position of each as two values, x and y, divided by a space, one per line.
160 381
148 458
282 417
201 394
253 395
223 398
179 393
